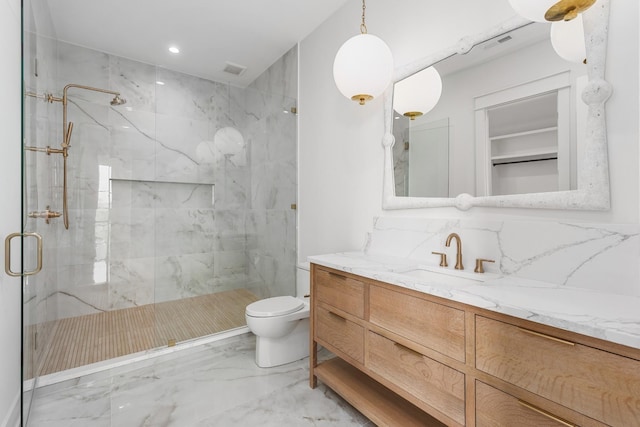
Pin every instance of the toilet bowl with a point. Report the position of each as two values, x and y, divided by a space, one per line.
281 325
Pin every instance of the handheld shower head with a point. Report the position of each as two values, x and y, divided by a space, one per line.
118 101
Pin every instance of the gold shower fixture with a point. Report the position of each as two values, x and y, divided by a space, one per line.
67 129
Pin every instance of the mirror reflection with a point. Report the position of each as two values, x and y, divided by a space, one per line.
506 123
422 162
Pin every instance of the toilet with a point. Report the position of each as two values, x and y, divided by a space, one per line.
281 324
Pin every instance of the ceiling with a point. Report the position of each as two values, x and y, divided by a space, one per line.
209 33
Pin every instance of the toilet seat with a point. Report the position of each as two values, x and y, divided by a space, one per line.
276 306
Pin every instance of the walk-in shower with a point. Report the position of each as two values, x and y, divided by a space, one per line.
67 129
178 206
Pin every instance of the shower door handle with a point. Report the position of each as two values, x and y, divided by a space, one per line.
7 254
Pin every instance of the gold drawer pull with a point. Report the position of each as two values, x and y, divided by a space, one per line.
331 313
546 414
407 349
549 337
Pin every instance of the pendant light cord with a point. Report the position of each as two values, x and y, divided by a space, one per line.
363 26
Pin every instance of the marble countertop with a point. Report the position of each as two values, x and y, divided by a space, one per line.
611 317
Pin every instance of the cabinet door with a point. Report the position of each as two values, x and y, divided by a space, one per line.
435 384
432 325
596 383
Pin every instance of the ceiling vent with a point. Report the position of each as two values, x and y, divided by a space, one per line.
235 69
493 43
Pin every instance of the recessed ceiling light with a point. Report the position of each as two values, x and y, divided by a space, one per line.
174 49
159 83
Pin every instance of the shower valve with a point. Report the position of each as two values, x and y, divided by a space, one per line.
47 215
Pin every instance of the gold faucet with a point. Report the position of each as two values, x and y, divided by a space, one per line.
459 265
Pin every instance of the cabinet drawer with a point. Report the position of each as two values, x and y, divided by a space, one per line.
495 408
432 325
343 335
432 382
340 291
601 385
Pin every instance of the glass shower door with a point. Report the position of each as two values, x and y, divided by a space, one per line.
41 201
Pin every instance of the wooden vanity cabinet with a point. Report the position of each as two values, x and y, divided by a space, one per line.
381 378
404 358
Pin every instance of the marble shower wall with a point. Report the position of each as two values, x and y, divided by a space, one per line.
179 192
602 257
271 222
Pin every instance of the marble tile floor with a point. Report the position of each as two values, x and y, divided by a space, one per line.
212 385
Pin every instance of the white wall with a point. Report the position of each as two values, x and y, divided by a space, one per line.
10 300
340 177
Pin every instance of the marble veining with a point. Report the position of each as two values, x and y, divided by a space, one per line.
216 384
164 190
577 276
593 313
600 257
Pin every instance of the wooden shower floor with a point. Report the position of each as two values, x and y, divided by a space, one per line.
82 340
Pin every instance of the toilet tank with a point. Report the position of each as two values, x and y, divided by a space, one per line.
303 279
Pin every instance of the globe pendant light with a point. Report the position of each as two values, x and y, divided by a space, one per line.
363 66
567 39
417 94
533 10
550 10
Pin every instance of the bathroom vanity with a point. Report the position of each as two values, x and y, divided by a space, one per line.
437 356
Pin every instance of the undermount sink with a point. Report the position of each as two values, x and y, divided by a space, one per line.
442 276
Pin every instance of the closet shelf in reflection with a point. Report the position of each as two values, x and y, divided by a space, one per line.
533 155
525 133
160 181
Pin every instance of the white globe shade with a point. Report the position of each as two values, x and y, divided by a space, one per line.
417 94
363 67
533 10
567 39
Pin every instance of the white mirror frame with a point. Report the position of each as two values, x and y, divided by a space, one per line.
593 175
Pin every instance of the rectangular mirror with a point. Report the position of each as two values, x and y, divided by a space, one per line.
526 128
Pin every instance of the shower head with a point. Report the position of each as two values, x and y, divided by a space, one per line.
118 101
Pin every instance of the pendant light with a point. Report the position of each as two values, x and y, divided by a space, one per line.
417 94
567 39
550 10
363 66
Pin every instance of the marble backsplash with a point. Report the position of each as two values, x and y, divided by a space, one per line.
603 257
185 190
